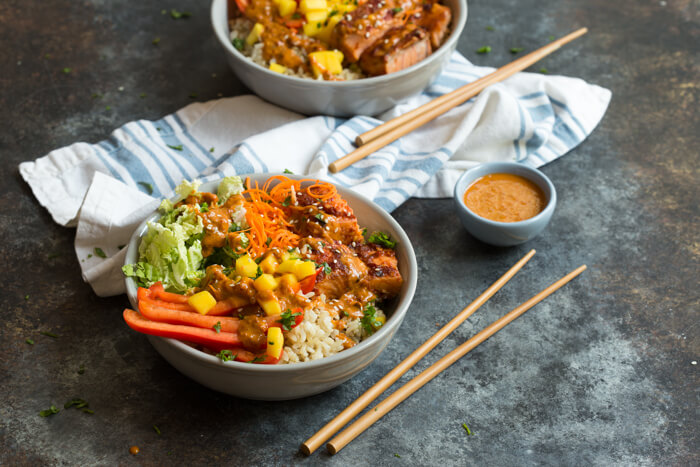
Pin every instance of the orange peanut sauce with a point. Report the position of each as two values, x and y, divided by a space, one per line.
504 197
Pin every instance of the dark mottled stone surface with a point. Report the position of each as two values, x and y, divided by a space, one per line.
599 374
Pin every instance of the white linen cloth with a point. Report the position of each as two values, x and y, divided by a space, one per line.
107 188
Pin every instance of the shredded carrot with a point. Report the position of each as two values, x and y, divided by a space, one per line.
270 207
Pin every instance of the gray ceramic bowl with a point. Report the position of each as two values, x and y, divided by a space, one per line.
292 381
369 96
504 233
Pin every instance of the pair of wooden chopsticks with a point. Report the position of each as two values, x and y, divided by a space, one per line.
377 138
350 433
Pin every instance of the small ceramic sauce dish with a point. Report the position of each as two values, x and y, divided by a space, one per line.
501 233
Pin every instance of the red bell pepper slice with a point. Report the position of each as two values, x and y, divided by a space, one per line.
206 337
307 284
154 312
241 4
158 291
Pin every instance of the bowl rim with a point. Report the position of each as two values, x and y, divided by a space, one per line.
385 331
488 168
220 31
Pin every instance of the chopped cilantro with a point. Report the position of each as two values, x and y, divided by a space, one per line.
54 255
369 320
142 95
238 43
268 241
67 70
544 71
49 334
50 411
234 227
217 327
88 411
177 148
225 355
147 186
287 201
396 455
287 171
515 50
257 359
327 269
89 255
193 95
174 14
96 95
204 207
296 16
224 256
81 370
99 252
156 429
483 50
259 272
77 403
156 41
288 319
29 341
551 38
466 428
397 10
26 298
211 149
382 239
489 28
319 217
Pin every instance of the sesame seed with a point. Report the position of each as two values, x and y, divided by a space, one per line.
366 35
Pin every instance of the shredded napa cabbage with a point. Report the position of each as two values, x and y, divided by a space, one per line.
171 250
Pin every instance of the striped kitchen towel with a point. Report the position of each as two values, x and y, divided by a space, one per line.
530 118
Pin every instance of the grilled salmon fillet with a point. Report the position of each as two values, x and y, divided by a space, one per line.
359 29
400 48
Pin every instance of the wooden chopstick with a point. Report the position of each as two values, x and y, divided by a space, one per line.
392 130
313 443
419 381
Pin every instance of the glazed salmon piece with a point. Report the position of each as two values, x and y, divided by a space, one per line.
358 30
400 48
383 277
435 19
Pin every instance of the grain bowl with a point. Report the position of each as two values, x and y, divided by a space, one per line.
306 372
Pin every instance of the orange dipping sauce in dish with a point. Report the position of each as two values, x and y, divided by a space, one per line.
504 197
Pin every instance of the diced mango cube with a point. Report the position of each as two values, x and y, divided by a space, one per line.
265 282
275 342
304 269
325 33
202 302
245 266
308 5
269 264
312 29
287 266
286 7
316 16
381 320
330 61
270 307
289 280
255 33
